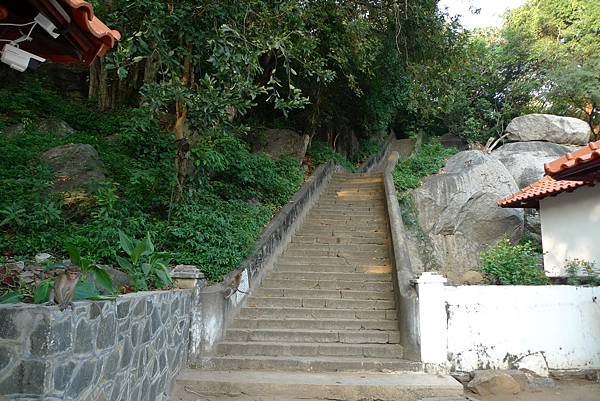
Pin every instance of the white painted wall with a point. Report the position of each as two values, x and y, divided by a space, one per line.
532 327
570 228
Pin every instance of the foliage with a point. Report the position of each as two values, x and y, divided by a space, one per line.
508 264
237 186
557 42
580 271
146 268
426 160
320 152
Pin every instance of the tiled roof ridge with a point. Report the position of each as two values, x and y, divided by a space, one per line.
573 159
87 20
545 187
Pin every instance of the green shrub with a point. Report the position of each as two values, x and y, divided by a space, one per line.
429 159
321 153
581 271
509 264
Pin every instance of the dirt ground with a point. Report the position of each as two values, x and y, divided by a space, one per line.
571 390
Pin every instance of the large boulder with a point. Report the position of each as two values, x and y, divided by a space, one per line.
525 160
457 211
76 167
549 128
280 142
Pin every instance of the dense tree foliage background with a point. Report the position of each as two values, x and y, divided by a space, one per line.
175 106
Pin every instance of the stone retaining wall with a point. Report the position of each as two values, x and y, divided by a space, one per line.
130 349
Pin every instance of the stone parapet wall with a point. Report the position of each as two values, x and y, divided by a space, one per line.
130 349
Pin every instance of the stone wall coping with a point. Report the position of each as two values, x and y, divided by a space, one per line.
120 298
406 295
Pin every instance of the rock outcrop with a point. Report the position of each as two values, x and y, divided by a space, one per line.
76 166
280 142
525 160
458 215
42 125
549 128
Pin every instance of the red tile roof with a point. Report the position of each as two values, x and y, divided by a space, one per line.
83 37
565 174
581 156
102 38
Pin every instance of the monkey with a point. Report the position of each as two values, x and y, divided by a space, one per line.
64 288
234 286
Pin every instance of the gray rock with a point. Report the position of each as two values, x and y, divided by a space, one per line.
119 279
453 141
280 142
43 257
525 160
42 125
549 128
15 266
472 277
493 382
458 214
76 166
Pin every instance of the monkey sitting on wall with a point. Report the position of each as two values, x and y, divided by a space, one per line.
64 288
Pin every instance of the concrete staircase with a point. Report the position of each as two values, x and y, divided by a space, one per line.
323 323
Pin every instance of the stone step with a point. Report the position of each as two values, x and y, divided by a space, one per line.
316 252
287 302
326 294
348 219
346 240
344 232
288 386
347 260
344 227
314 324
334 268
314 336
320 214
376 207
314 284
342 277
347 205
315 313
308 364
310 349
334 248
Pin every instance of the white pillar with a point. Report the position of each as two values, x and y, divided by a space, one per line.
432 318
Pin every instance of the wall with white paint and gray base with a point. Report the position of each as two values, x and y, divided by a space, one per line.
570 228
545 329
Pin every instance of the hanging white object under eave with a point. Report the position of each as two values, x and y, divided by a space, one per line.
18 59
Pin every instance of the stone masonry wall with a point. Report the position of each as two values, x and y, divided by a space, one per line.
130 349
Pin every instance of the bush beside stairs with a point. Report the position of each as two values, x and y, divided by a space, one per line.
323 324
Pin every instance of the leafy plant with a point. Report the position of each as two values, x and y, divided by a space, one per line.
14 215
320 153
11 297
427 160
146 268
508 264
88 267
581 271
